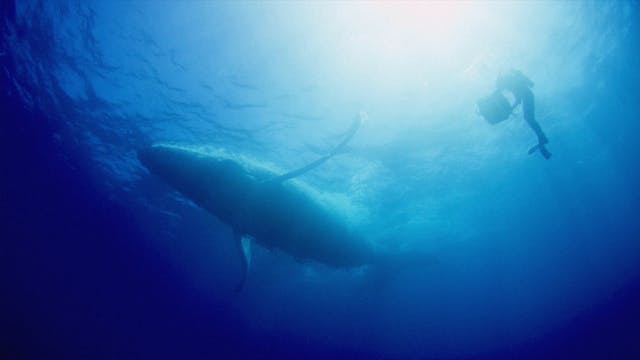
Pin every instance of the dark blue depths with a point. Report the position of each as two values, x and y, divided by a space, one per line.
83 275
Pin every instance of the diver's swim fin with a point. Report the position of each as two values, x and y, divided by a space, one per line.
543 151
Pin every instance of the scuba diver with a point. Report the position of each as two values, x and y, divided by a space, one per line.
496 107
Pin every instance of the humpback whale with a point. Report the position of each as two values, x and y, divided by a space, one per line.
262 206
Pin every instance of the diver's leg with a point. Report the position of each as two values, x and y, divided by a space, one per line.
545 153
529 117
542 138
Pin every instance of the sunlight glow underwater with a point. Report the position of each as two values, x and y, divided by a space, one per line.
382 54
389 44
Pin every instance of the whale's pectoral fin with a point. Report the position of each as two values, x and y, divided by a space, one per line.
243 244
355 125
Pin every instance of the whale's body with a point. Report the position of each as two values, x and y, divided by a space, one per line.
256 204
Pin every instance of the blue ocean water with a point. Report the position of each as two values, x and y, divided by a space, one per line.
535 258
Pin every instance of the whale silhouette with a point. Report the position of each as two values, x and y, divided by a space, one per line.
264 207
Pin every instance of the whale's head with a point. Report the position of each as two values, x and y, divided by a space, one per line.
214 183
157 158
180 167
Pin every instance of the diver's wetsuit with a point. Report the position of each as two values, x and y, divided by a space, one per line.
520 86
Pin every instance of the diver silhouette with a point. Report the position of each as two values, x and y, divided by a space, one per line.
496 107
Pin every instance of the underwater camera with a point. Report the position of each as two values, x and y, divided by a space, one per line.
494 108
